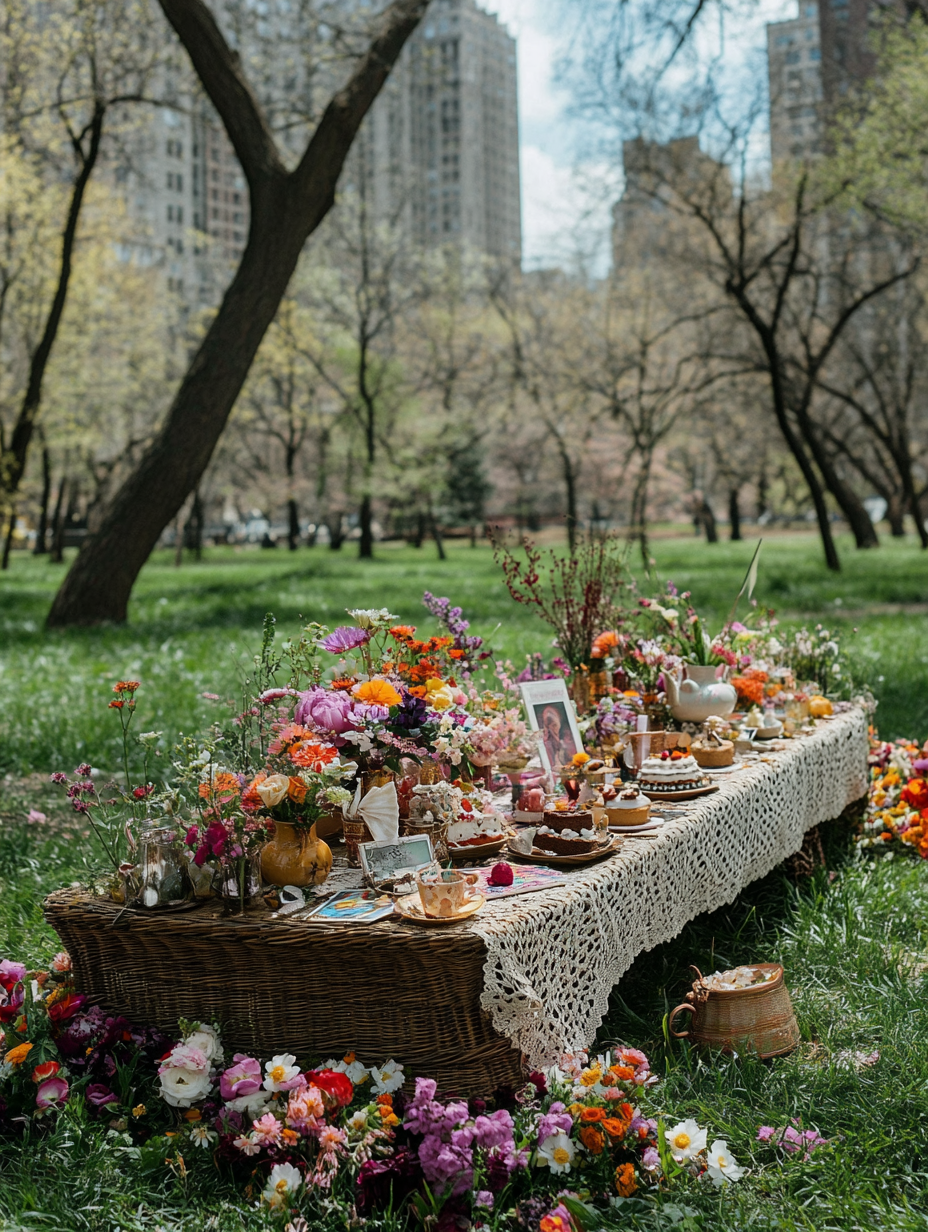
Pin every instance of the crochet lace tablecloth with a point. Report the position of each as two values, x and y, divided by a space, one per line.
553 957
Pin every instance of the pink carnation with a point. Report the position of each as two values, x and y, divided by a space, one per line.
266 1131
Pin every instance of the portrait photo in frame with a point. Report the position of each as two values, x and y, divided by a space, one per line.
551 712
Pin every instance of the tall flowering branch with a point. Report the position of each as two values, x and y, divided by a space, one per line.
575 594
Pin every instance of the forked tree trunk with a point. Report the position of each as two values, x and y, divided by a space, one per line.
286 207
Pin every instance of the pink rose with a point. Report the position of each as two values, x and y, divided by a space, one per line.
242 1078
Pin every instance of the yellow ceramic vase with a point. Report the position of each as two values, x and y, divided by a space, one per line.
295 856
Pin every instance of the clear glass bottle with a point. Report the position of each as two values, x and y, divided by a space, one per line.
163 872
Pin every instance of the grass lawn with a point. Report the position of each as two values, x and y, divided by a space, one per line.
854 945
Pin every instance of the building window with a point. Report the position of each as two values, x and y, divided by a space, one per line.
815 53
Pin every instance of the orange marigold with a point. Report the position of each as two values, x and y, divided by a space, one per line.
592 1138
625 1182
749 690
590 1115
624 1073
313 756
225 783
615 1127
343 682
402 633
251 801
603 643
377 693
17 1055
126 686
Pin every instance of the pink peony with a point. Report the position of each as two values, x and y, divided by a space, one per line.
51 1093
327 712
242 1078
304 1107
266 1130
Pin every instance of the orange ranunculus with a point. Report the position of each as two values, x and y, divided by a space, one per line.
590 1116
377 693
748 689
297 790
385 1099
625 1182
615 1127
915 794
603 643
624 1073
456 654
17 1055
343 682
580 759
592 1138
251 801
627 1111
193 1114
402 633
313 756
225 784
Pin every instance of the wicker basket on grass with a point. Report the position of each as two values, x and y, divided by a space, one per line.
757 1019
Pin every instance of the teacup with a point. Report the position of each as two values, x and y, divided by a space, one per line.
446 895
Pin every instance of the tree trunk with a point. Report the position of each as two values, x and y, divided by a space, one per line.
57 553
333 523
734 515
895 516
848 501
436 535
638 515
193 531
707 518
41 535
293 527
13 463
419 533
286 207
8 541
365 521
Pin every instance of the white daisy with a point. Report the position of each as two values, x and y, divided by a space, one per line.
721 1164
686 1140
283 1181
202 1135
388 1077
557 1152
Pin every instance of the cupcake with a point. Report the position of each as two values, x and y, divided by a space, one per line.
629 808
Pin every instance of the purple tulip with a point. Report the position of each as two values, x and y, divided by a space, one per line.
345 638
97 1094
242 1078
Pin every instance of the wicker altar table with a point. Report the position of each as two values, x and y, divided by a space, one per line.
473 1003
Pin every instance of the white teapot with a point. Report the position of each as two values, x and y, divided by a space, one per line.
699 694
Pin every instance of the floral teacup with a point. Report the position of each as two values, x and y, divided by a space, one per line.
446 895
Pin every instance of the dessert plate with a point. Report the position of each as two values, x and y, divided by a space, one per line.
667 796
545 857
410 908
476 851
648 828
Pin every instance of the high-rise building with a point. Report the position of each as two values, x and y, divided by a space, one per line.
442 141
794 67
847 53
440 146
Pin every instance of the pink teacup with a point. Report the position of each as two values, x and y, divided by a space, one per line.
446 895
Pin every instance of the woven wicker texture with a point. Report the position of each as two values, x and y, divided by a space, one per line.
553 959
390 990
758 1019
539 966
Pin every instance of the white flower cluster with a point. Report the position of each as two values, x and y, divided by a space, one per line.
687 1144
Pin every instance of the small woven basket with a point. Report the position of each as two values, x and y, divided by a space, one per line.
758 1019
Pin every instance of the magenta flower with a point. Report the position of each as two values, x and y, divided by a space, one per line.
242 1078
52 1093
345 638
12 971
329 713
99 1095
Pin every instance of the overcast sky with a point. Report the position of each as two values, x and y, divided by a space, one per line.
555 204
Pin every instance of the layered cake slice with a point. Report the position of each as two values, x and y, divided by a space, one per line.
567 832
670 772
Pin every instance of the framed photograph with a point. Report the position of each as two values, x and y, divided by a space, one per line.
551 712
354 907
385 859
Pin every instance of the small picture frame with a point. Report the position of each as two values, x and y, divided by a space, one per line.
551 712
386 859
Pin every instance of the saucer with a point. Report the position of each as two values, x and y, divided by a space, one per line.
410 908
647 828
477 851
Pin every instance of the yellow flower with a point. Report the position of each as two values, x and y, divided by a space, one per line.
575 1110
590 1077
579 759
17 1055
438 694
139 1110
377 692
